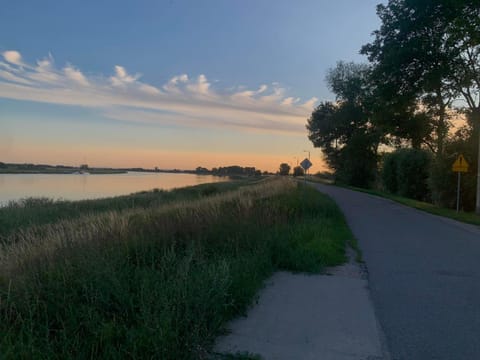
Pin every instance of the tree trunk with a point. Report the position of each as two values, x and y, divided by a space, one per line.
442 125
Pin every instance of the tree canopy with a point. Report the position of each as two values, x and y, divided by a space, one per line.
343 130
284 169
425 60
424 68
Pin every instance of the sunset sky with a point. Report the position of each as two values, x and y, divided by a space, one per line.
173 84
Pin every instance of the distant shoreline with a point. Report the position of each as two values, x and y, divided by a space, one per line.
60 172
83 169
233 170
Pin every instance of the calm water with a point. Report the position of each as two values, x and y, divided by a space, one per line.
86 186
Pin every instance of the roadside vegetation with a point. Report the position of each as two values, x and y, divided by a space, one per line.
466 217
400 121
161 279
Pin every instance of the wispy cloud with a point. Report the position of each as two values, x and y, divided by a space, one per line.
182 101
75 75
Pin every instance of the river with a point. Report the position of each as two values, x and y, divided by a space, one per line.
88 186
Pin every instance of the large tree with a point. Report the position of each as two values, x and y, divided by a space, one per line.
428 52
343 129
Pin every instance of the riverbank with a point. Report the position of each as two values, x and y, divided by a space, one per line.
159 279
50 169
70 187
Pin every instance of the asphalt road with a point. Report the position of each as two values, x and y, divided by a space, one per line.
424 276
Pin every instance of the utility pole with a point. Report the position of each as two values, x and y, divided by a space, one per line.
306 172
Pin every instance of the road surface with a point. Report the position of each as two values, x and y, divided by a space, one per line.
424 276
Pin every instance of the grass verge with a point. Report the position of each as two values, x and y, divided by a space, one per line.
158 281
466 217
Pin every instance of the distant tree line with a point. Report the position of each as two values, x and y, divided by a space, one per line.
390 125
233 170
284 169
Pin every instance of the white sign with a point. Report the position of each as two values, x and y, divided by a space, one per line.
306 164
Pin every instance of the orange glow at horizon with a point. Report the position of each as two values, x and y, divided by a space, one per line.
149 158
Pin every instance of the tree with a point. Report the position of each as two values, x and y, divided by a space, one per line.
284 169
298 171
201 170
443 182
430 51
343 130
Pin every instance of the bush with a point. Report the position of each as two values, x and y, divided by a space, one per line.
442 182
406 171
389 173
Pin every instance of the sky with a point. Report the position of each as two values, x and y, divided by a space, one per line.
173 84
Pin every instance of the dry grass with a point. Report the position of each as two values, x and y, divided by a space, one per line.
39 245
158 282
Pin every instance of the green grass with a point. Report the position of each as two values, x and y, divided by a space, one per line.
39 211
158 280
466 217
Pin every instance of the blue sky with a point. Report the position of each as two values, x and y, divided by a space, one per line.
170 83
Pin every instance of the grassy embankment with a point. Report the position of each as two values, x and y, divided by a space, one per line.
158 280
466 217
39 211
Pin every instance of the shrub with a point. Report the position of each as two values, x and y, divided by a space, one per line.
405 172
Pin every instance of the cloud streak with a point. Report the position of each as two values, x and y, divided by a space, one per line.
182 101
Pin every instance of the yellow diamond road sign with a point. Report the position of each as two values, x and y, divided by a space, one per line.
460 165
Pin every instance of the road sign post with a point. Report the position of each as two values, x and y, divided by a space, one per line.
460 165
306 164
459 176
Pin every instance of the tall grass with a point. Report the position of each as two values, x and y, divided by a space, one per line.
37 211
157 282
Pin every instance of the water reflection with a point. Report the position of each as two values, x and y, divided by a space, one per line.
85 186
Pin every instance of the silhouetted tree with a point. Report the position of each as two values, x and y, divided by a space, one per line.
344 130
430 50
202 170
298 171
284 169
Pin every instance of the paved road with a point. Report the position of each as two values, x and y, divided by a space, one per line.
424 276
